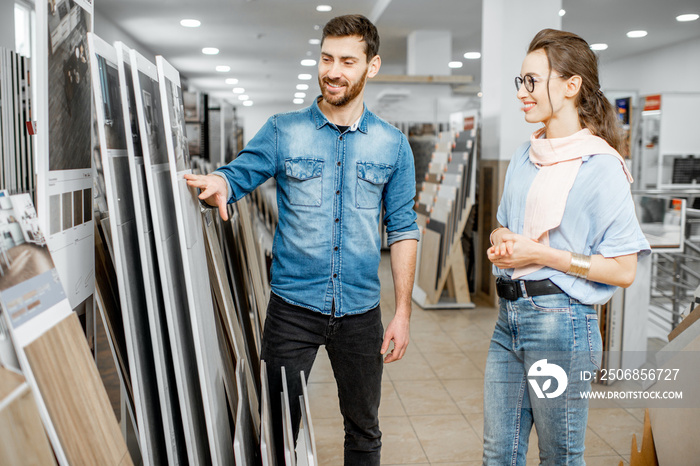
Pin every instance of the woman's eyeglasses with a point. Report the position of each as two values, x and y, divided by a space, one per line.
529 82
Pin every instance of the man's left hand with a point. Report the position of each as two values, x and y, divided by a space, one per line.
398 331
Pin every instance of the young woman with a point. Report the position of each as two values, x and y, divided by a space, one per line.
569 237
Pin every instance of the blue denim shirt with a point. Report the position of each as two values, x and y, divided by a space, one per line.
330 188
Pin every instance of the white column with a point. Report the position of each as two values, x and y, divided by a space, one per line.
507 28
7 25
429 52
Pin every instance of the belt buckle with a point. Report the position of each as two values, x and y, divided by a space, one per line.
509 290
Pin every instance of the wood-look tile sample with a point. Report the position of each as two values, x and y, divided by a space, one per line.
75 398
23 441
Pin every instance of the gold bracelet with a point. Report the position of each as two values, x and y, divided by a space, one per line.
491 235
580 265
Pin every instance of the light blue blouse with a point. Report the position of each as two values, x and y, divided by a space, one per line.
599 219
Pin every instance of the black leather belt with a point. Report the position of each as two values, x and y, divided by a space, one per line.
511 290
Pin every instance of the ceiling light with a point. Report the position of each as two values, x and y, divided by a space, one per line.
243 97
315 41
308 62
316 27
302 87
455 64
190 23
599 46
248 103
231 81
298 101
472 55
238 90
562 12
688 17
210 51
223 69
300 95
304 77
636 34
324 8
480 94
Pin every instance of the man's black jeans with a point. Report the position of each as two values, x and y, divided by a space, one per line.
291 339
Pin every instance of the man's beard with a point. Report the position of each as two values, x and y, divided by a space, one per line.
352 90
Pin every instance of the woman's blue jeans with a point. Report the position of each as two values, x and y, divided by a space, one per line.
522 385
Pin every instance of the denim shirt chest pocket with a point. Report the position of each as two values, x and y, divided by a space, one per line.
305 181
371 178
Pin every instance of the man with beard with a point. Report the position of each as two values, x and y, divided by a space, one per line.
335 163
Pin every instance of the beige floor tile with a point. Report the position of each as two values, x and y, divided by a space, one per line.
436 341
323 398
425 397
453 366
329 441
321 370
390 404
612 460
470 338
467 393
476 421
400 444
616 426
638 413
597 446
533 450
413 366
447 438
478 358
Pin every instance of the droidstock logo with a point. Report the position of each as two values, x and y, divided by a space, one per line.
543 369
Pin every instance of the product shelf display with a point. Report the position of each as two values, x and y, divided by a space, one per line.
443 204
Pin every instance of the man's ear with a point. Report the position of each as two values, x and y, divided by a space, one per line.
374 64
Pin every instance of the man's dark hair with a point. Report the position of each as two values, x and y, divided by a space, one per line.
354 25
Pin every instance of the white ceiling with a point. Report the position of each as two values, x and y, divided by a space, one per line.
263 41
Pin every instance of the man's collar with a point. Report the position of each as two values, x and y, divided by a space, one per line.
321 120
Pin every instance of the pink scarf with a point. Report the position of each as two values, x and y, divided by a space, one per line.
558 160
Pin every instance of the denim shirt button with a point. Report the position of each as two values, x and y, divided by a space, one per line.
338 163
335 275
341 138
338 191
335 248
337 220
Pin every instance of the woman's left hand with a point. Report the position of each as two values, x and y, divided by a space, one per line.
521 251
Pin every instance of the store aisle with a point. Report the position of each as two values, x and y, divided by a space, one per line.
431 411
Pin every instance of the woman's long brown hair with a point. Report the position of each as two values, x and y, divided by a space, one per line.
570 55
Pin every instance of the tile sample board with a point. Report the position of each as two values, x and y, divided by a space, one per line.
22 437
64 140
127 261
197 284
290 458
53 352
170 266
245 440
267 439
155 307
307 425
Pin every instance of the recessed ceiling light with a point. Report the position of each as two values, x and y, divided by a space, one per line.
688 17
210 51
302 87
599 46
248 103
562 12
636 34
308 62
324 8
455 64
231 81
472 55
315 41
316 27
223 68
480 94
190 23
304 77
300 95
243 97
238 90
298 101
